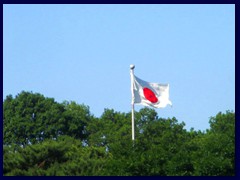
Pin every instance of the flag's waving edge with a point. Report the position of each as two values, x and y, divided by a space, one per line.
150 94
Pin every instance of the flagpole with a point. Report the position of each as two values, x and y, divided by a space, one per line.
132 79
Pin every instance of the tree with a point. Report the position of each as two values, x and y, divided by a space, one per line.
112 131
30 118
157 143
75 120
216 153
65 156
43 137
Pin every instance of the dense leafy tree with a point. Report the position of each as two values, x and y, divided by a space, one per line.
160 140
65 156
75 120
30 118
44 137
216 153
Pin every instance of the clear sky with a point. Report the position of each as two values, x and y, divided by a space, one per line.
82 53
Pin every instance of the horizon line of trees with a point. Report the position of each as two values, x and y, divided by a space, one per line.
44 137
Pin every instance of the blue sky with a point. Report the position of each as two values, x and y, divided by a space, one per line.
82 53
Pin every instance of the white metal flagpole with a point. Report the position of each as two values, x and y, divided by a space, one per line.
132 79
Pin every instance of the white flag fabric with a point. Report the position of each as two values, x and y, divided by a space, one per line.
150 94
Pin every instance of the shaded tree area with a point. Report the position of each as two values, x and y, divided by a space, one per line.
43 137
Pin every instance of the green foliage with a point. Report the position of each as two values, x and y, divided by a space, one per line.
216 153
66 156
76 118
46 138
32 118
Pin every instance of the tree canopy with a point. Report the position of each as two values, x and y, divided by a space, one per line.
44 137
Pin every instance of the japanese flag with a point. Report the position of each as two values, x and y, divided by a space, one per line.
150 94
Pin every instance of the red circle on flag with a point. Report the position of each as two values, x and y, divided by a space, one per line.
149 95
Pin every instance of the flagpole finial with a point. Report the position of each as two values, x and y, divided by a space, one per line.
132 66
